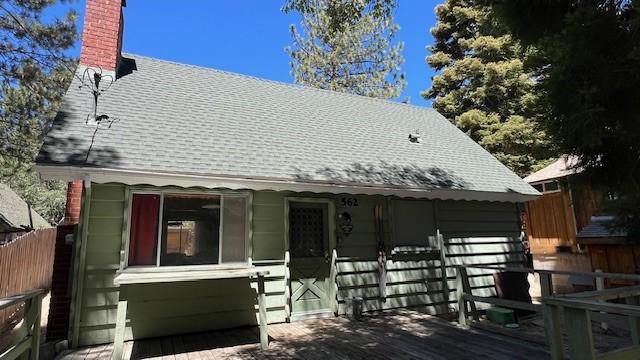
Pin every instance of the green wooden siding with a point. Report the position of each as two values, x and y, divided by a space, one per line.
162 309
475 232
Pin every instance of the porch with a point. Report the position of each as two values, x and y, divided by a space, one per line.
399 335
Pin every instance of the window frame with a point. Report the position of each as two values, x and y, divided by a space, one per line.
247 195
544 183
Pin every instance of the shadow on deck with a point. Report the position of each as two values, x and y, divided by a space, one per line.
406 335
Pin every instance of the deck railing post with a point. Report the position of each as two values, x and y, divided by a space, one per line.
121 319
634 322
578 324
262 313
466 287
553 329
546 284
35 308
599 287
443 268
462 304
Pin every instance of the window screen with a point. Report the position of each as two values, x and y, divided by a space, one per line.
307 230
413 222
234 246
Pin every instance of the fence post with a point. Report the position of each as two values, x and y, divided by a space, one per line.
578 324
553 330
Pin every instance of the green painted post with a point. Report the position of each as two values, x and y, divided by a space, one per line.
546 284
578 325
262 309
553 330
466 287
634 322
35 305
462 304
121 319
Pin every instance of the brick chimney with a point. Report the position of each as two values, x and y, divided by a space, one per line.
101 47
72 208
102 34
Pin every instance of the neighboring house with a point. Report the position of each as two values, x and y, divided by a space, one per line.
568 218
610 249
16 216
555 218
207 173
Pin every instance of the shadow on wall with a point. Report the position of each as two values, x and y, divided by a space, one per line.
72 150
385 174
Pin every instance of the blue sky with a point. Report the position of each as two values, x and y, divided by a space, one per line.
249 36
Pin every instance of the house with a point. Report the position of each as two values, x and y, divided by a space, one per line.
16 216
555 218
214 200
570 217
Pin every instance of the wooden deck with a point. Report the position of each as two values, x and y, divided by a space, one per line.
407 335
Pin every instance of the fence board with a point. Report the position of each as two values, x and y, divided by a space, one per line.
25 263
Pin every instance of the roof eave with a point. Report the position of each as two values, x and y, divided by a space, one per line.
137 177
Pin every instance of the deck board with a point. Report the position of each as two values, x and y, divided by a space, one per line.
403 336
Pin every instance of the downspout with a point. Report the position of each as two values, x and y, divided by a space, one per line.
79 264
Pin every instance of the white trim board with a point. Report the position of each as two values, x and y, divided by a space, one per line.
135 177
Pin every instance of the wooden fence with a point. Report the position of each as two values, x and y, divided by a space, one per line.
26 263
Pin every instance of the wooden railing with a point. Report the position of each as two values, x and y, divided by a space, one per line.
25 263
27 336
575 307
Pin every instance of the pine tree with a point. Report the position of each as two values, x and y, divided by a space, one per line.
588 56
484 87
34 74
346 45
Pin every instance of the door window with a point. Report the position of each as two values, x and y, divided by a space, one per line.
307 230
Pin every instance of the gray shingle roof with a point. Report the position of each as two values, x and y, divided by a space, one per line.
182 119
601 226
564 166
14 211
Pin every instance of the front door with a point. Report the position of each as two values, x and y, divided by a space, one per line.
309 244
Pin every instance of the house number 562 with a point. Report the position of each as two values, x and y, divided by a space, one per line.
348 201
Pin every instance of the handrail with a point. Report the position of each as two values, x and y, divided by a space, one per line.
28 334
576 309
619 276
19 298
606 294
592 305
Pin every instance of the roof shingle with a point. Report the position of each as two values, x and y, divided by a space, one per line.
182 119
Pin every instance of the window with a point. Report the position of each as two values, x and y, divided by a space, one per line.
169 229
308 235
549 186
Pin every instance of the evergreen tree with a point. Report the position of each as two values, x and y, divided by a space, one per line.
346 45
34 74
588 56
483 86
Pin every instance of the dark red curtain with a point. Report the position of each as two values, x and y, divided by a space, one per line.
143 237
